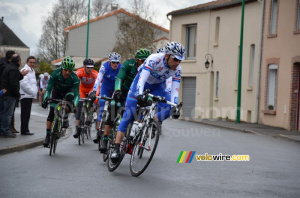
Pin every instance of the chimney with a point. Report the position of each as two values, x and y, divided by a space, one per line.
113 7
2 18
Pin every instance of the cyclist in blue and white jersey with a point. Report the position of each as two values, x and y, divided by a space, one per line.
155 71
107 76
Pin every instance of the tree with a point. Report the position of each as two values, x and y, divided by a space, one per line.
52 44
99 8
135 31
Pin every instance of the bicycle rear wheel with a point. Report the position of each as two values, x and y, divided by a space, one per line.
144 150
81 126
111 166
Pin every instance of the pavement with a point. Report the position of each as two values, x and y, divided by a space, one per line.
38 118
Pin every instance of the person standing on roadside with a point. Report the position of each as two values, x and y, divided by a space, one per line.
28 91
10 81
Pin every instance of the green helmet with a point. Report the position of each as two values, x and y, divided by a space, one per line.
68 63
142 53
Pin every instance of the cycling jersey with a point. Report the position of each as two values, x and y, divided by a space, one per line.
107 76
44 83
57 81
125 76
86 81
152 75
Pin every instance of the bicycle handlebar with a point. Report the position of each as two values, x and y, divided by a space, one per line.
104 97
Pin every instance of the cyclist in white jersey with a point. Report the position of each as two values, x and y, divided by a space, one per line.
155 71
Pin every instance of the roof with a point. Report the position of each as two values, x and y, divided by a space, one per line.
111 14
8 37
214 5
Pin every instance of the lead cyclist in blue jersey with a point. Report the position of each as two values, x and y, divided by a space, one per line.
155 71
107 75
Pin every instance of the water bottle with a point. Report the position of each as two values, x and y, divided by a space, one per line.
134 128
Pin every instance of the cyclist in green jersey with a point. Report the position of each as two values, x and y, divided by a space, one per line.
122 86
64 84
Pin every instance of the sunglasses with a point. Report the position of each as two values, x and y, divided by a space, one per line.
115 62
176 59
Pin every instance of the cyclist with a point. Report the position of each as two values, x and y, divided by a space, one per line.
122 86
156 69
43 85
62 81
87 76
107 75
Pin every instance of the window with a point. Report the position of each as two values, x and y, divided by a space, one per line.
217 30
191 36
217 84
272 86
273 20
298 16
251 65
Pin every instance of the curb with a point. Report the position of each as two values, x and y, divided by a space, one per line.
21 147
32 144
281 136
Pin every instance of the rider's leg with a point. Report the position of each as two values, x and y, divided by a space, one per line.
48 127
78 113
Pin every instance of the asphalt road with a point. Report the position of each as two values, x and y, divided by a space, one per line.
78 171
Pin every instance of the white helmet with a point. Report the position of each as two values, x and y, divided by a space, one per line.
114 57
176 49
41 75
46 74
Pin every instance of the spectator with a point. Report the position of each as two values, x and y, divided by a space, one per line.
10 81
2 92
3 62
44 80
38 84
28 91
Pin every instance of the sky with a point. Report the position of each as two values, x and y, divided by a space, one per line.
25 17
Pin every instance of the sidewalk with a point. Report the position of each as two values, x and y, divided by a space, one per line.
38 125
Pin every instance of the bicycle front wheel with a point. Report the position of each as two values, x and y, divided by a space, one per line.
144 149
52 137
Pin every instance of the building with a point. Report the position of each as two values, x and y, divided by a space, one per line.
10 41
280 69
102 37
210 33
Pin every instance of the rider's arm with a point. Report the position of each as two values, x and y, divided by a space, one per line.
120 77
99 78
145 73
175 87
76 92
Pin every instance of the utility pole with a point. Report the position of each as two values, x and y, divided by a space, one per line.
238 110
88 31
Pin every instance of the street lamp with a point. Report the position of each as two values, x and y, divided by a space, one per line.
207 63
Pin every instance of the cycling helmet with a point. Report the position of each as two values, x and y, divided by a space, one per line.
68 63
114 57
41 75
176 49
142 53
161 50
88 62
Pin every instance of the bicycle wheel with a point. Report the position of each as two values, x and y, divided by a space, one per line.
102 126
111 139
111 166
81 127
52 136
144 150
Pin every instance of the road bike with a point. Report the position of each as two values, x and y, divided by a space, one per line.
143 144
57 129
87 118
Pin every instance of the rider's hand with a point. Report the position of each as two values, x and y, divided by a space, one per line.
45 103
141 100
175 113
118 95
92 96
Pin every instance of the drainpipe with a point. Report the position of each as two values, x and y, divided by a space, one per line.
170 27
260 61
